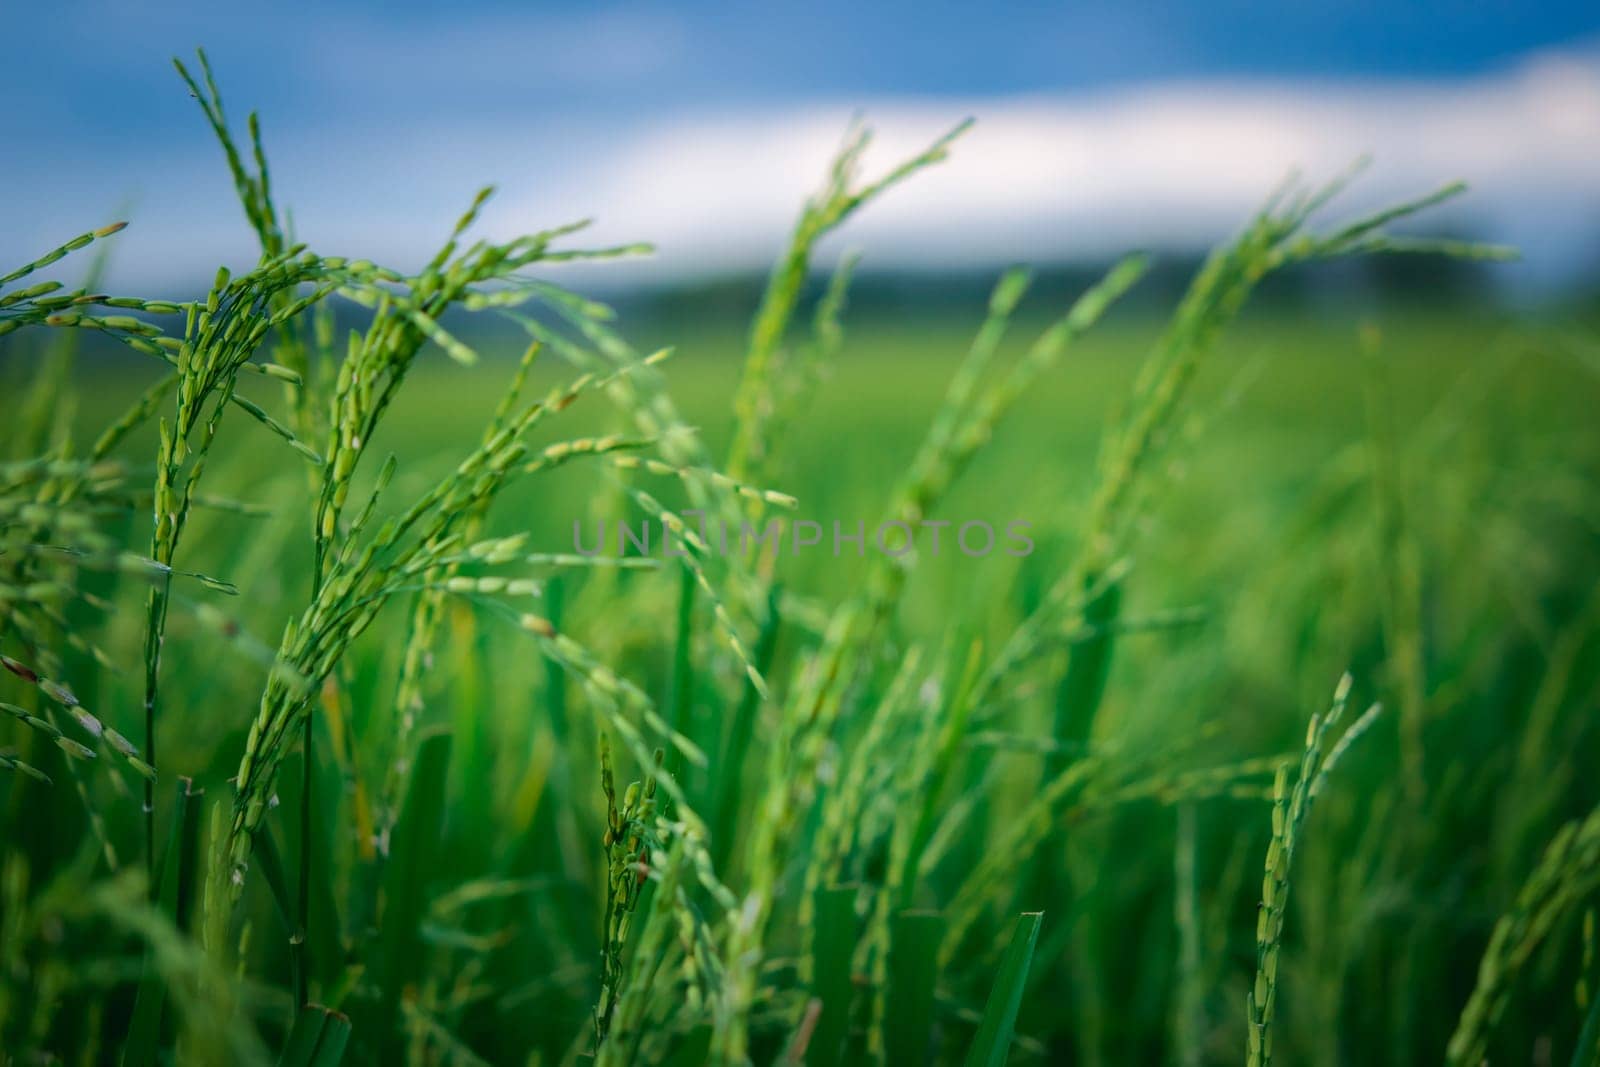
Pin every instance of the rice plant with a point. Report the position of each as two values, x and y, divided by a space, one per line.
348 788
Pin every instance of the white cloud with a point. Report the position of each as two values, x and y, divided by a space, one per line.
1175 165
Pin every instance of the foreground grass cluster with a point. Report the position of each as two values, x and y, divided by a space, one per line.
313 753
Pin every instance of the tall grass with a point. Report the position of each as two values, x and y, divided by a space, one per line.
396 831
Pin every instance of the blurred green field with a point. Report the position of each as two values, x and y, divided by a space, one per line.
1284 400
1281 417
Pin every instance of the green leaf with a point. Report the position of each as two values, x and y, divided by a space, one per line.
736 750
993 1042
913 969
1587 1052
693 1051
412 860
277 880
318 1039
174 891
831 956
1084 685
324 932
954 731
680 694
555 676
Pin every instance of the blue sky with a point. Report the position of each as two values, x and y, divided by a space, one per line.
84 56
382 119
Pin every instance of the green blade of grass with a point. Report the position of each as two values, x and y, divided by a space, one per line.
680 694
335 1037
913 969
954 730
1084 685
555 677
411 858
318 1039
693 1051
741 731
322 933
993 1042
831 955
277 878
301 1043
1587 1051
324 929
173 895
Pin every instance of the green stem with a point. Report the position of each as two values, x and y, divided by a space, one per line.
303 897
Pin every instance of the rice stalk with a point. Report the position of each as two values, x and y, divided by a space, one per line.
1567 872
1290 805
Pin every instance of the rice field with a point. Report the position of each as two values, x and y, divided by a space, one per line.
1096 683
